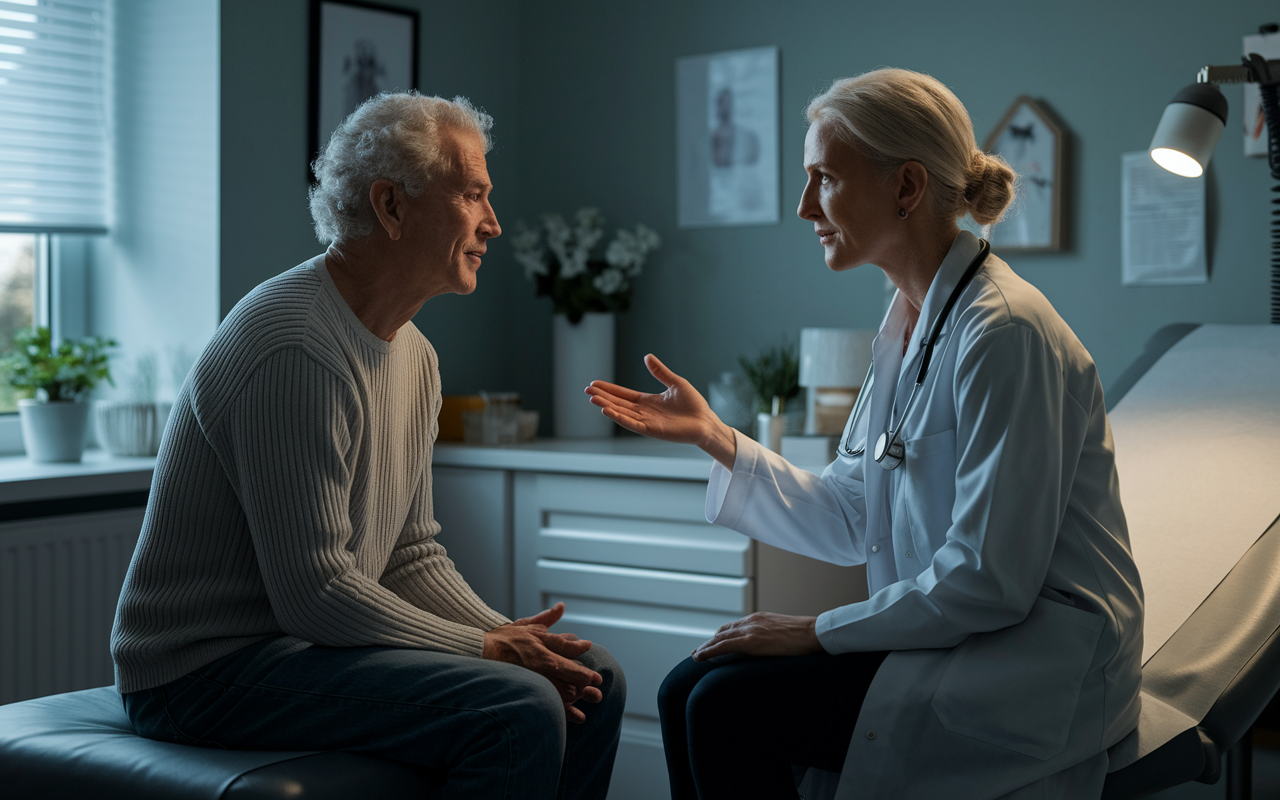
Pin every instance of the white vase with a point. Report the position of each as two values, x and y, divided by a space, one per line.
582 353
53 431
131 429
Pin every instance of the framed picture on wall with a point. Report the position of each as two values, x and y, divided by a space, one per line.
1032 142
727 138
358 49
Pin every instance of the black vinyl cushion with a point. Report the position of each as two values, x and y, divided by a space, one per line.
81 745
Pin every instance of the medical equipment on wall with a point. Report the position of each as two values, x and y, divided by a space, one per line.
890 451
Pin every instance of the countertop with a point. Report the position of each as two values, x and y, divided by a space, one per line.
23 480
624 456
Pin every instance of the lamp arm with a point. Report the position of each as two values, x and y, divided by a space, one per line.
1241 73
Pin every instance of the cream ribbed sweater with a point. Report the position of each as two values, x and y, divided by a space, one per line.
292 495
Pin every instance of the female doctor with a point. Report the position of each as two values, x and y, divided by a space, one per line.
998 654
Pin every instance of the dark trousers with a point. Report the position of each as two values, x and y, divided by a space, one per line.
733 727
487 729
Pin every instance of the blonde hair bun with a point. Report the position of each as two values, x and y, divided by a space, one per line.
990 187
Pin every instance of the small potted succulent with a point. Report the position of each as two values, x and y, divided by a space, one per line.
57 382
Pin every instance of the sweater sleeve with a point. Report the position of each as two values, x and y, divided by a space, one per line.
285 440
421 573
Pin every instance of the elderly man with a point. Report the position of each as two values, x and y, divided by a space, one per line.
287 591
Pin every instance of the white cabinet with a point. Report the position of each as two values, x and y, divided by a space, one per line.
624 543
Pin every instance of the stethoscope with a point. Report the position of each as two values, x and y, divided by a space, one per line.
890 451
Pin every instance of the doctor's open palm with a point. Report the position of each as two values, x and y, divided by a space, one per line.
680 414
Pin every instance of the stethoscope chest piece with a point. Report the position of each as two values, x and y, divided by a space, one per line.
889 450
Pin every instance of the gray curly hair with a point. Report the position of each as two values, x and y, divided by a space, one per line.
396 136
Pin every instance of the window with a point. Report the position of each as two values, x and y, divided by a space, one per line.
22 261
52 116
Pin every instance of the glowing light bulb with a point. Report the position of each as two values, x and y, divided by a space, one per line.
1178 163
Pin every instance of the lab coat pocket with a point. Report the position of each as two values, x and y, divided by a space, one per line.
929 490
1017 687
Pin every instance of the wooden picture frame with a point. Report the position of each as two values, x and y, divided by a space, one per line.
1032 141
358 49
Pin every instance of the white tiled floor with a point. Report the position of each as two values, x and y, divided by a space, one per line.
1266 781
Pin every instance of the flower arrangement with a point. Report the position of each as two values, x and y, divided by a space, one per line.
67 372
557 257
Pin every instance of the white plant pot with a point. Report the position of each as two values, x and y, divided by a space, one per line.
131 429
582 353
53 431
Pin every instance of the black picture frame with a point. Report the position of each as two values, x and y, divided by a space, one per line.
373 42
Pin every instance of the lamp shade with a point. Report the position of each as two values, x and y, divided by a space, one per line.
834 357
1189 130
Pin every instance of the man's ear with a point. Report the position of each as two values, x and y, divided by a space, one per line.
913 180
388 205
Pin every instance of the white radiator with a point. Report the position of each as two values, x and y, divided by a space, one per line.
60 578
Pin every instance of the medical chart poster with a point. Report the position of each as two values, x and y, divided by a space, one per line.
1162 225
727 138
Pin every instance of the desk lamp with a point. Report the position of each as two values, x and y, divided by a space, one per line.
1194 119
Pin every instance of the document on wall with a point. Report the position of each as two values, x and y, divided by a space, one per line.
1162 227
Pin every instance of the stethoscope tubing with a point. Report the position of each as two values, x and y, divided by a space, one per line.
889 448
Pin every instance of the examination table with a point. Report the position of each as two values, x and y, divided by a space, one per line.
1214 661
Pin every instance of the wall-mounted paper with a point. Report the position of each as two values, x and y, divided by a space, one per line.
1161 225
1266 45
727 138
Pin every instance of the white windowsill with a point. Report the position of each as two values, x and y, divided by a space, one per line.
23 480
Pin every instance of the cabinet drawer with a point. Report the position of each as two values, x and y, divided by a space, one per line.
650 586
653 543
646 641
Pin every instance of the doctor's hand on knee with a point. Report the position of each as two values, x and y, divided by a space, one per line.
527 643
763 634
680 414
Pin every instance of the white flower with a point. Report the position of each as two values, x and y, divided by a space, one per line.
529 251
610 281
647 237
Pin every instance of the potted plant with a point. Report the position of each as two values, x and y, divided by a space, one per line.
775 378
586 288
56 382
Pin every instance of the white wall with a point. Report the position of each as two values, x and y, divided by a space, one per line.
153 282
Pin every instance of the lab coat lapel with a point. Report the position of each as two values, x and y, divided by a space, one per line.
962 252
886 353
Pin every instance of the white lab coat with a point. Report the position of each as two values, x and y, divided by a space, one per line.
998 560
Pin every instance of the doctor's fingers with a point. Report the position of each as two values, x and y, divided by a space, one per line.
612 390
660 371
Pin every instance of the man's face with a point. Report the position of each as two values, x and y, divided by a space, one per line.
452 220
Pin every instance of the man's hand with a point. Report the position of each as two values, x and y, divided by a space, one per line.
763 634
527 642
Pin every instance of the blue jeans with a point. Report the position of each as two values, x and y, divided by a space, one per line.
488 729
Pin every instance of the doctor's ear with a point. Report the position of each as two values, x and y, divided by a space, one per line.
912 180
388 204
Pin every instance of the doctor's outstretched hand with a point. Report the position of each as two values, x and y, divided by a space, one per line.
680 414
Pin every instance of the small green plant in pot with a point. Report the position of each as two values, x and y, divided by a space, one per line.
56 382
775 378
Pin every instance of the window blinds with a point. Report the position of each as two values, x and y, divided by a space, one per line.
53 149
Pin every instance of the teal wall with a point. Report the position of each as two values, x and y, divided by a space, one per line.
583 95
153 282
597 109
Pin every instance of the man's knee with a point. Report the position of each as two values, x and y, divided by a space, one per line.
613 685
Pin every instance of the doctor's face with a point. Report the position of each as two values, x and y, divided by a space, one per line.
851 207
